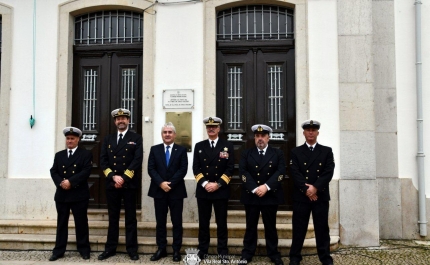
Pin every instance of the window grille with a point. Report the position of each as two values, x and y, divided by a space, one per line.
255 22
235 97
109 27
275 96
90 100
128 88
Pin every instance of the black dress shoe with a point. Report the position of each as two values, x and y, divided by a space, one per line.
331 263
85 256
176 256
55 257
106 254
158 255
133 256
278 261
293 262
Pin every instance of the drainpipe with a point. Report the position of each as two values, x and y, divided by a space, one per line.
420 155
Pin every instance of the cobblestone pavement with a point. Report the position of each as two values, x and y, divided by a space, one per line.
390 252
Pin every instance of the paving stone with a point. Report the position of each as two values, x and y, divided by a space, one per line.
390 252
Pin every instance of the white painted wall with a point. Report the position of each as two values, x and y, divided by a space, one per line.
323 74
179 64
31 151
406 88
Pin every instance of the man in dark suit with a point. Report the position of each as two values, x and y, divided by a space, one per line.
70 173
312 167
213 166
167 167
262 169
121 161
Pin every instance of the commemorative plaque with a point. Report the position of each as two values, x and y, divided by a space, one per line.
182 122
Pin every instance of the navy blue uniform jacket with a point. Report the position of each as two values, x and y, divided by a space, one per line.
77 170
124 159
209 166
255 172
311 167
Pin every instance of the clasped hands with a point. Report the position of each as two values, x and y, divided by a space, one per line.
165 186
118 181
261 190
311 192
65 184
211 186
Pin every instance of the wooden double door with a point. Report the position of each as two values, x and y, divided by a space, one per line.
105 78
255 85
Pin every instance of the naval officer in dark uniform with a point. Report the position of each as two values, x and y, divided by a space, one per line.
213 166
262 170
167 167
70 173
121 159
312 167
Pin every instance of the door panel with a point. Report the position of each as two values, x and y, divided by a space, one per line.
104 80
256 86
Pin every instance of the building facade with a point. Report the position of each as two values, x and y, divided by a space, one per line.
349 64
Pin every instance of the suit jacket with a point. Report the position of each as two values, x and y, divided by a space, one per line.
255 172
311 167
209 166
124 159
174 172
77 170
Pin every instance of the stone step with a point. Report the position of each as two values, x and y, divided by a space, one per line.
146 229
102 215
283 217
147 244
234 216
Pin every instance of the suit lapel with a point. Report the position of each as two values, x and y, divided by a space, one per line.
124 141
267 156
311 155
209 152
69 161
162 152
172 153
255 155
64 157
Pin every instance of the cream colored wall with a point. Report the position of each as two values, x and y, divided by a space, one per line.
406 88
6 13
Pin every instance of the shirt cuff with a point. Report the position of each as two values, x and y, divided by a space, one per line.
268 188
204 183
253 191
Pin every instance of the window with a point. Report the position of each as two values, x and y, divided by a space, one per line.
235 97
109 27
255 22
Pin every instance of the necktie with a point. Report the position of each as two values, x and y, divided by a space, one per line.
167 155
311 148
70 153
261 154
213 146
120 138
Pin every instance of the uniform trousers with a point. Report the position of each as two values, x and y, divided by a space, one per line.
176 206
114 198
205 213
268 213
301 214
79 211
